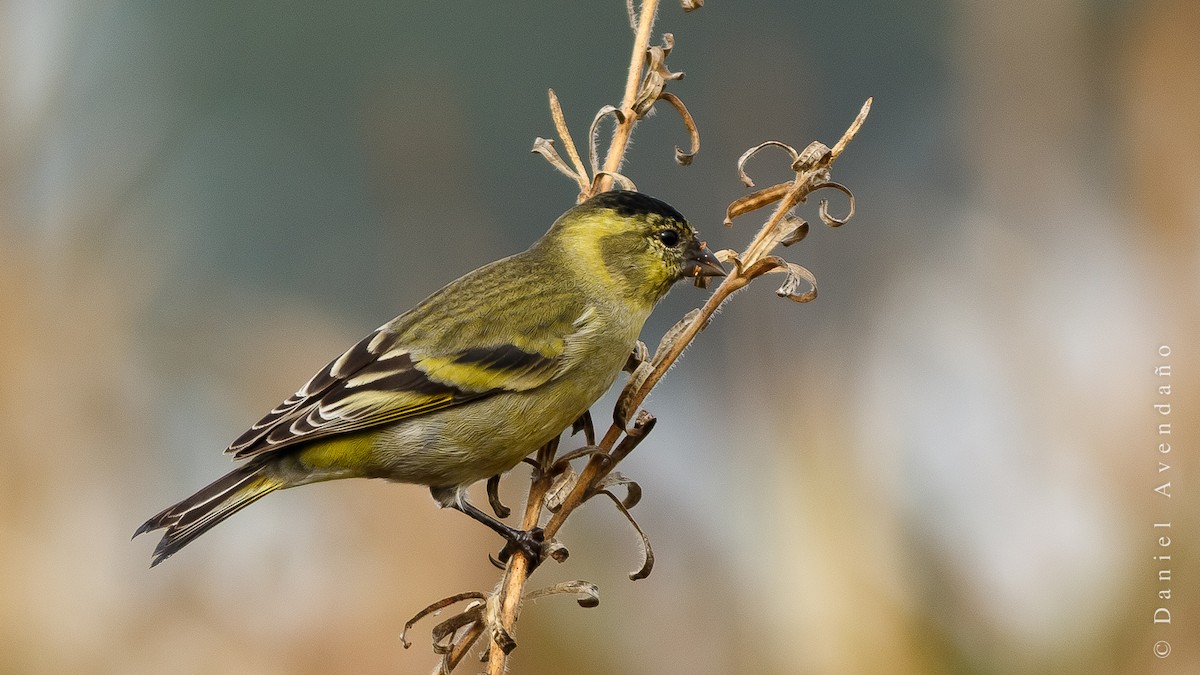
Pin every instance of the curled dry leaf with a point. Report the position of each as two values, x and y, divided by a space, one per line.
816 156
621 410
493 494
741 163
637 357
764 265
681 157
795 229
459 648
823 208
797 275
584 424
545 148
503 639
594 134
633 491
668 44
727 255
590 592
444 633
437 607
643 424
620 179
557 552
566 458
647 552
561 487
656 78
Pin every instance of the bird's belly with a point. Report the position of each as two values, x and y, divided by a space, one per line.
478 440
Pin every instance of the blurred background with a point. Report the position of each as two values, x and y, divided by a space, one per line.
945 464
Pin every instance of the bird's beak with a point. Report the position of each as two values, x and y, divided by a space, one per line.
701 262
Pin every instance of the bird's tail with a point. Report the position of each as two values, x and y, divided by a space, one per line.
199 513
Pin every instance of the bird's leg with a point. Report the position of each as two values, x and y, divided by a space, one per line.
529 542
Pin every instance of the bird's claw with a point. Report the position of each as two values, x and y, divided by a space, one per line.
530 542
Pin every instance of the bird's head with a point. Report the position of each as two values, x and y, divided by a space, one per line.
641 244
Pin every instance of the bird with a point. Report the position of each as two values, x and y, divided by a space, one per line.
474 378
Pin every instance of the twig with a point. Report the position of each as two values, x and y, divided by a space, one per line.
517 570
624 130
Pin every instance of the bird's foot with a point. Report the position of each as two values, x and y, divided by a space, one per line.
531 543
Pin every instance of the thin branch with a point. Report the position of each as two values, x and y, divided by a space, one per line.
840 146
517 571
637 61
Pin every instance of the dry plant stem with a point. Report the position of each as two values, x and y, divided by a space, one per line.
517 570
624 129
463 646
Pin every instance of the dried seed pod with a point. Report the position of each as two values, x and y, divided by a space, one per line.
560 124
755 201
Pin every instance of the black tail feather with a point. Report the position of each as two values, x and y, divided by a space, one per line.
202 511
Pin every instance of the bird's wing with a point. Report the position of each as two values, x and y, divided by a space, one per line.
381 380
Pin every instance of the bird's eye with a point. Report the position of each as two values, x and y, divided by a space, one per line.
669 238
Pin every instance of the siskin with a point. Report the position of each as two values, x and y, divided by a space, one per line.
474 378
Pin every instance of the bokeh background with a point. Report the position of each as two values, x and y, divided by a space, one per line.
946 464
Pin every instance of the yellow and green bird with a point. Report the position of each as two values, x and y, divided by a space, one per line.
474 378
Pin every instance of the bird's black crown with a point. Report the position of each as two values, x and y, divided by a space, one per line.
628 203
